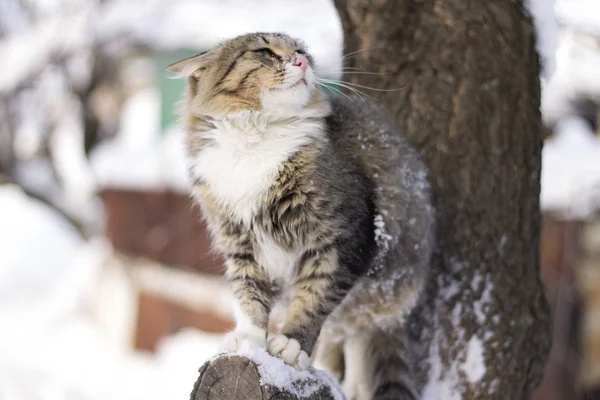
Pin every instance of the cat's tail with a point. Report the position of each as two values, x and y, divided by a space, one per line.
378 365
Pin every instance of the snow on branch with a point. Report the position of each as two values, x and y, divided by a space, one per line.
252 374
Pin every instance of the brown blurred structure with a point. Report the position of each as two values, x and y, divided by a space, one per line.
164 227
158 317
571 275
560 255
159 225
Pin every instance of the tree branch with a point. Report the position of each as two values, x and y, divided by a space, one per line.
78 226
235 377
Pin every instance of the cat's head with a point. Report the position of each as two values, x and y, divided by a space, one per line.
268 72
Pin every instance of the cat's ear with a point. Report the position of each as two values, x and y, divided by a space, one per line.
192 66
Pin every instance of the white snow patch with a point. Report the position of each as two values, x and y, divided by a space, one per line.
479 306
275 372
582 14
26 54
36 246
576 78
474 364
571 170
443 382
477 279
139 157
446 380
381 236
546 28
450 291
502 244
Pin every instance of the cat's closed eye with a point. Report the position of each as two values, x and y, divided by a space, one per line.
266 53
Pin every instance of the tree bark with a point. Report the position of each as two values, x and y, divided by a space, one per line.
239 378
468 100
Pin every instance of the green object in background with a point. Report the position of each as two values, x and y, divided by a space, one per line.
170 89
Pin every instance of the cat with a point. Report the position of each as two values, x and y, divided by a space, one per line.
312 197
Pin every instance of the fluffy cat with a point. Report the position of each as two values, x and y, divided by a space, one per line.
318 199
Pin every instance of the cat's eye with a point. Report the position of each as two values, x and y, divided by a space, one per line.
266 53
301 52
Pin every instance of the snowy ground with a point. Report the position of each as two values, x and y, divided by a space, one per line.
53 341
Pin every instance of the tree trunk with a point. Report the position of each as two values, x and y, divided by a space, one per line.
468 100
240 378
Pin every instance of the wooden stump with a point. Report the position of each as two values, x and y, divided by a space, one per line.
235 377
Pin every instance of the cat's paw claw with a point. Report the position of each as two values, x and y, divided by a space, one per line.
289 351
233 340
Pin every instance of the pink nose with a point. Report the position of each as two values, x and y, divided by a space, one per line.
301 62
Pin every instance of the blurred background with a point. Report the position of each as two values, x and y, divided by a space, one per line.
108 288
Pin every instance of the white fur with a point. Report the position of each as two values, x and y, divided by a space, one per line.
293 95
232 341
244 330
245 324
241 166
354 385
247 154
277 261
289 351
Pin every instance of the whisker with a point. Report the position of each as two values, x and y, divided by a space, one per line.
343 69
360 73
360 86
267 67
357 92
269 81
359 51
249 86
333 88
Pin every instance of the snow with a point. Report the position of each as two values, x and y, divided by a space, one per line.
571 170
140 157
570 159
582 14
546 32
27 225
202 24
577 76
480 305
276 373
26 54
447 378
72 361
474 364
60 314
442 382
381 236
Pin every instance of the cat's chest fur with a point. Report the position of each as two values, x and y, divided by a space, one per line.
240 165
243 157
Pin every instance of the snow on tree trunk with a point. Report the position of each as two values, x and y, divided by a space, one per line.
468 100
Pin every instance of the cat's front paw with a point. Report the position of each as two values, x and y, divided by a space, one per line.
289 351
233 340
